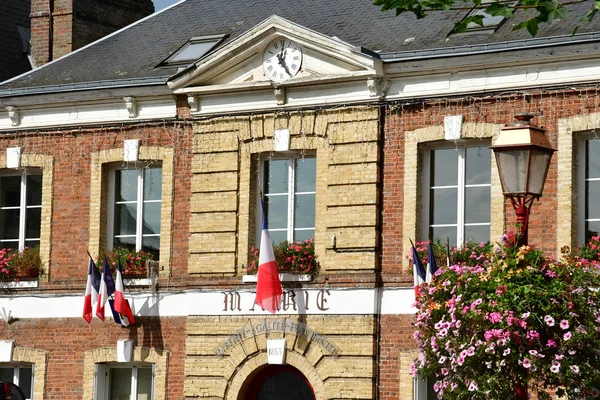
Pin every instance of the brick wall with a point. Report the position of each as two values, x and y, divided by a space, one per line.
61 26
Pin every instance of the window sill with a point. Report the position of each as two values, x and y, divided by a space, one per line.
283 277
22 284
137 282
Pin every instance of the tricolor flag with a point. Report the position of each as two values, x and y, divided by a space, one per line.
121 304
447 252
91 291
107 288
268 285
419 274
431 266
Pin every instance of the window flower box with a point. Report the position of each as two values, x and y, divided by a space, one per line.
293 259
20 266
134 264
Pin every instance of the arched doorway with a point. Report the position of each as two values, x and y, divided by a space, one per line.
278 382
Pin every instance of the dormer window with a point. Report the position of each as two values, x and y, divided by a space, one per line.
192 50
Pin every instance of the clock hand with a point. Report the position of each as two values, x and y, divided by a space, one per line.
281 59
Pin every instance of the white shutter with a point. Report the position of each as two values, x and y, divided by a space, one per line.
100 382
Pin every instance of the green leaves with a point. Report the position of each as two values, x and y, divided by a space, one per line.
547 11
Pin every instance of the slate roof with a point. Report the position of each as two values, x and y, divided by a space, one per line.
13 61
130 56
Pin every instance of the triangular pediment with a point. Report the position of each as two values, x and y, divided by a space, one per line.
241 62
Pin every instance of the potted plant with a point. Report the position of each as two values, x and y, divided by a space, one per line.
506 319
133 262
293 257
18 265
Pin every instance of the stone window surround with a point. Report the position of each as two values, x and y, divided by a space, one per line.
45 164
569 132
140 354
38 359
413 168
97 232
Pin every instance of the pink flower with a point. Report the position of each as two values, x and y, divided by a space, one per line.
551 343
526 363
473 386
549 320
567 336
564 324
574 369
555 367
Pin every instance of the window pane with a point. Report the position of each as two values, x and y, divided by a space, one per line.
477 204
152 183
151 217
304 234
120 384
144 384
25 381
32 243
276 176
278 236
34 190
593 159
7 374
478 165
304 211
126 242
592 205
125 215
443 232
478 233
9 224
443 206
126 185
151 244
592 229
11 191
444 167
33 223
305 174
277 211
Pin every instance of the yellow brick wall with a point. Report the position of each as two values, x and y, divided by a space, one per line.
39 359
227 152
350 375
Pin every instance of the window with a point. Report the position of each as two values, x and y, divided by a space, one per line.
193 49
134 218
124 382
458 184
20 375
423 389
590 190
289 185
20 209
489 22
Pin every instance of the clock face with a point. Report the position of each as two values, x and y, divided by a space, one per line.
282 59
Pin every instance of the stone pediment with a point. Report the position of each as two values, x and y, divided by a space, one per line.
238 65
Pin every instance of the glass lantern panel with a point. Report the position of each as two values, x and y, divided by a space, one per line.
540 162
512 165
478 163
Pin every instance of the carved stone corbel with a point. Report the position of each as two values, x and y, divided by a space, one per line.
378 87
193 102
131 106
280 96
13 114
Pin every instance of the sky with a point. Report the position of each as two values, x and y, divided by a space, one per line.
160 4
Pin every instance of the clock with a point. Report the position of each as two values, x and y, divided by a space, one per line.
282 59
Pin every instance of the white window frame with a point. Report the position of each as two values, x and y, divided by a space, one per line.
582 180
102 378
292 157
461 186
22 207
139 230
17 368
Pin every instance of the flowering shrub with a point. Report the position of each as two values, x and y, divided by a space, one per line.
132 262
15 264
470 253
509 317
298 257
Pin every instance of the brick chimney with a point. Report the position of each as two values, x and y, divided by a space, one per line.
61 26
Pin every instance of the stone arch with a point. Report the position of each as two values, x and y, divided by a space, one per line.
413 172
248 365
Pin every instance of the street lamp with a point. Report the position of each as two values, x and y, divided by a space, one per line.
523 154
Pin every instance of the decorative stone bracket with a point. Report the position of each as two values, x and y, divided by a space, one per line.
131 106
13 114
194 103
378 86
280 96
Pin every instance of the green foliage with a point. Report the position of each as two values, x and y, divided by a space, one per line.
297 257
15 264
509 316
133 262
546 11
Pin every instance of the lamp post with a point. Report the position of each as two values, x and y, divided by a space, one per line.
523 154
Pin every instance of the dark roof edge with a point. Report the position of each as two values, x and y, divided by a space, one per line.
121 83
490 47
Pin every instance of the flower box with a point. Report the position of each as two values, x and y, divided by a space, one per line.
297 258
17 266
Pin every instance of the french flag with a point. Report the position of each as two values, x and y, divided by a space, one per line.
431 265
91 291
268 285
107 288
120 306
419 274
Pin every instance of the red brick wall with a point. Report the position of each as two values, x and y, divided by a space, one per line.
66 340
396 337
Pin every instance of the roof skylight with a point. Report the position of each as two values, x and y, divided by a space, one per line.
192 50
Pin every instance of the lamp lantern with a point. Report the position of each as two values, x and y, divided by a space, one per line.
523 155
